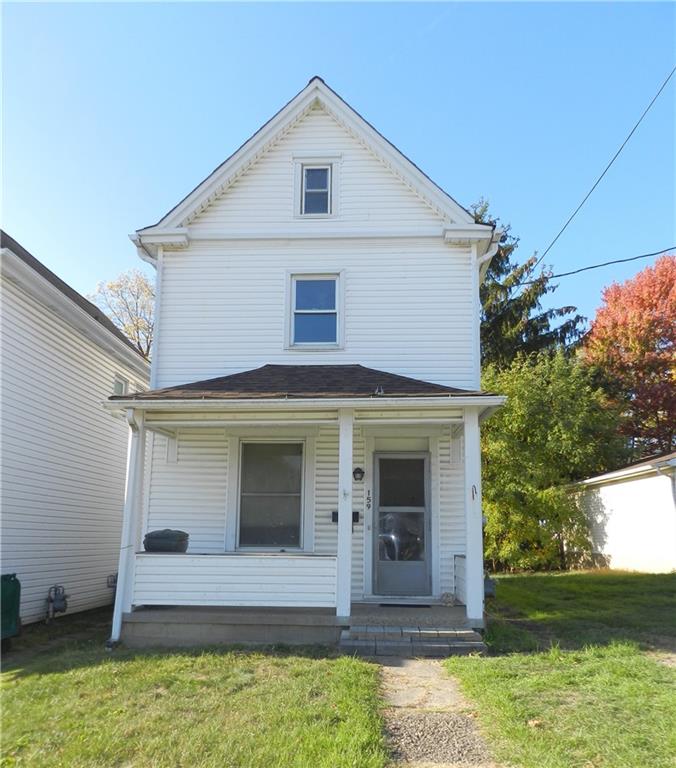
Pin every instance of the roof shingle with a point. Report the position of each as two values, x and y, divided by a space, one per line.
302 381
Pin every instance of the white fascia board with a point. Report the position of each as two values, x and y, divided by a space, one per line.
309 233
474 232
297 404
393 157
631 473
16 270
148 243
230 169
176 237
257 144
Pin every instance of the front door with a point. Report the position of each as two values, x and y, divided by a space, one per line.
401 541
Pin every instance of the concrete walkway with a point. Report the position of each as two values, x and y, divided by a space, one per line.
428 721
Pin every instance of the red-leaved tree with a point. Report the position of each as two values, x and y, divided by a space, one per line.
633 342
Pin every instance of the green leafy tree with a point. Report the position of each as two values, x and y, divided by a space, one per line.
512 317
555 428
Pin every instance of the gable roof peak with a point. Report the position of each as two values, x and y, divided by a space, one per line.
316 91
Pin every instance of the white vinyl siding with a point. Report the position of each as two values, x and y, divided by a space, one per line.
63 457
407 304
408 307
370 195
633 522
277 581
451 477
191 495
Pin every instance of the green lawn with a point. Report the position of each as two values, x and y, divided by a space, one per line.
574 683
73 705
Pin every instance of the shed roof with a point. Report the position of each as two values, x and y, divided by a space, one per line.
301 382
653 465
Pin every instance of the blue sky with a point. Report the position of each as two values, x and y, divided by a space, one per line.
112 113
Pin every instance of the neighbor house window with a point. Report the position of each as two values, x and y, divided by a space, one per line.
270 509
314 301
120 386
316 193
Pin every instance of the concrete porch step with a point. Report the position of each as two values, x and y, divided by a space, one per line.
413 633
410 642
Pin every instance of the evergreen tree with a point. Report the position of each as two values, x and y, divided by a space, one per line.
512 317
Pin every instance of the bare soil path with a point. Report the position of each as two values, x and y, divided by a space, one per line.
429 723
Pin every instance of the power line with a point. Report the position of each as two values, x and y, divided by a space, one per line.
606 169
596 266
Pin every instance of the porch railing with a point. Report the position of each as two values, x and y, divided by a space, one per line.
236 579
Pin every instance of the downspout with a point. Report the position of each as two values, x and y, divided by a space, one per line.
138 242
669 474
492 250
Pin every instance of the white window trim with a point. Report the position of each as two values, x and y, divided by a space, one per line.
306 493
331 160
291 277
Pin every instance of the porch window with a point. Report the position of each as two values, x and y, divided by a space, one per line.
270 510
315 309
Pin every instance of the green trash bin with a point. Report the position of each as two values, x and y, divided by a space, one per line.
11 598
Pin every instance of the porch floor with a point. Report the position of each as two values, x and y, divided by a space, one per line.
437 616
362 614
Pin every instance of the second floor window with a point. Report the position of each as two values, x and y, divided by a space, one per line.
316 192
314 309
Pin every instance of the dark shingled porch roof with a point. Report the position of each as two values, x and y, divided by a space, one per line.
300 382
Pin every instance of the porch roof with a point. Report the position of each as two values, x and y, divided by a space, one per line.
298 382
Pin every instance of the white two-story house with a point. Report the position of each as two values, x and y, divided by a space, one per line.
313 417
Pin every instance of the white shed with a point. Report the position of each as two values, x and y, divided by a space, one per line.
63 458
632 515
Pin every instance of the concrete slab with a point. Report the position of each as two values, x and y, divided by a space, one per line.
420 684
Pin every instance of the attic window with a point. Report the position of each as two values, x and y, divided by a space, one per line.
120 386
316 194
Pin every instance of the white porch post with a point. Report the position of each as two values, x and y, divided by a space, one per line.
131 520
344 552
474 554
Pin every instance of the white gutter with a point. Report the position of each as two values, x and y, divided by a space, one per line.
629 473
296 404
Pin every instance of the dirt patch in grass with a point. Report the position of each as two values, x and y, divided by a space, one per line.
439 738
428 721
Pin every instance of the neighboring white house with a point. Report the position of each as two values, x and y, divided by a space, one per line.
314 417
632 515
63 459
